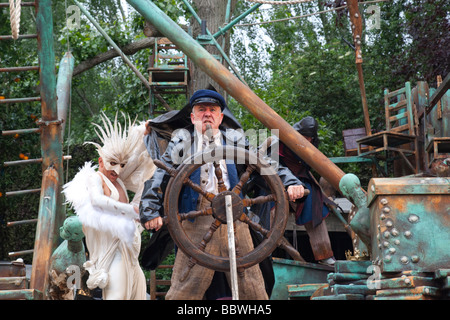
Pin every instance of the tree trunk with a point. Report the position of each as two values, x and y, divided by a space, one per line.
214 12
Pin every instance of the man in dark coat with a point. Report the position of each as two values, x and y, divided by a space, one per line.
207 109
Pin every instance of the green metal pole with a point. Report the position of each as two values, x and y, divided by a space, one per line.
243 94
236 20
114 45
224 55
51 215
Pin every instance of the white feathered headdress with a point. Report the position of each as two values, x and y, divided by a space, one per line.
118 144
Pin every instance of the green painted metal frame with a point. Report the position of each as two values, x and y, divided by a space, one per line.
229 25
290 272
351 159
211 39
51 214
410 223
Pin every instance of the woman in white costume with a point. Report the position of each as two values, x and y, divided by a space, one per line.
110 223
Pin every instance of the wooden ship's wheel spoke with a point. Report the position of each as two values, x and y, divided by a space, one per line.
244 178
197 252
194 214
208 195
258 200
219 175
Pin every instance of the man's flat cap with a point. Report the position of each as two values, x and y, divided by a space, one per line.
207 96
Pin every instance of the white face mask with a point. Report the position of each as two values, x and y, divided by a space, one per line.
111 165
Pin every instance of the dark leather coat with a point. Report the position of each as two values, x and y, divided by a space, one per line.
155 188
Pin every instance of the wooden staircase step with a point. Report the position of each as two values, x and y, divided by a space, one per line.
13 283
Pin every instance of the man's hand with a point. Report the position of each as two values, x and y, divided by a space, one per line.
295 192
155 223
148 129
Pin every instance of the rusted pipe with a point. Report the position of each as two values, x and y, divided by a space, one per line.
243 94
46 229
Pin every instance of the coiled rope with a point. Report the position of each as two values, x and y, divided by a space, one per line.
14 11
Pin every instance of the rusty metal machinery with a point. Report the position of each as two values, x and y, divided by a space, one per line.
273 237
410 223
409 256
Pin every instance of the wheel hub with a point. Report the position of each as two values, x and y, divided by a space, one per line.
219 209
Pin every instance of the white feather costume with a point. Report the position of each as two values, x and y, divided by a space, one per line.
97 211
111 227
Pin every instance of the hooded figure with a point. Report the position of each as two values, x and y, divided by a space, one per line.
310 210
308 127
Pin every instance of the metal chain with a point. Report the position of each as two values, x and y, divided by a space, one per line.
279 2
14 11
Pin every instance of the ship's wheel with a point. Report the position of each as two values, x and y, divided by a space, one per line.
254 164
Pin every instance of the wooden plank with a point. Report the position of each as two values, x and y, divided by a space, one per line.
417 291
341 297
398 116
13 283
46 230
397 105
25 294
405 282
438 94
303 290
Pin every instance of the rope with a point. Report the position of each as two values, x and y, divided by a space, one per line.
291 18
305 15
279 2
69 138
68 134
14 11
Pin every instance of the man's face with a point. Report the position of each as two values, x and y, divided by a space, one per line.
206 114
115 168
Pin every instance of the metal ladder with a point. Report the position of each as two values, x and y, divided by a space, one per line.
51 212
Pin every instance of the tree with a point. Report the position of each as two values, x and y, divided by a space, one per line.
426 26
214 13
298 67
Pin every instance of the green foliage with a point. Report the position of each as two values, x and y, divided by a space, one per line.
310 70
18 177
19 146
